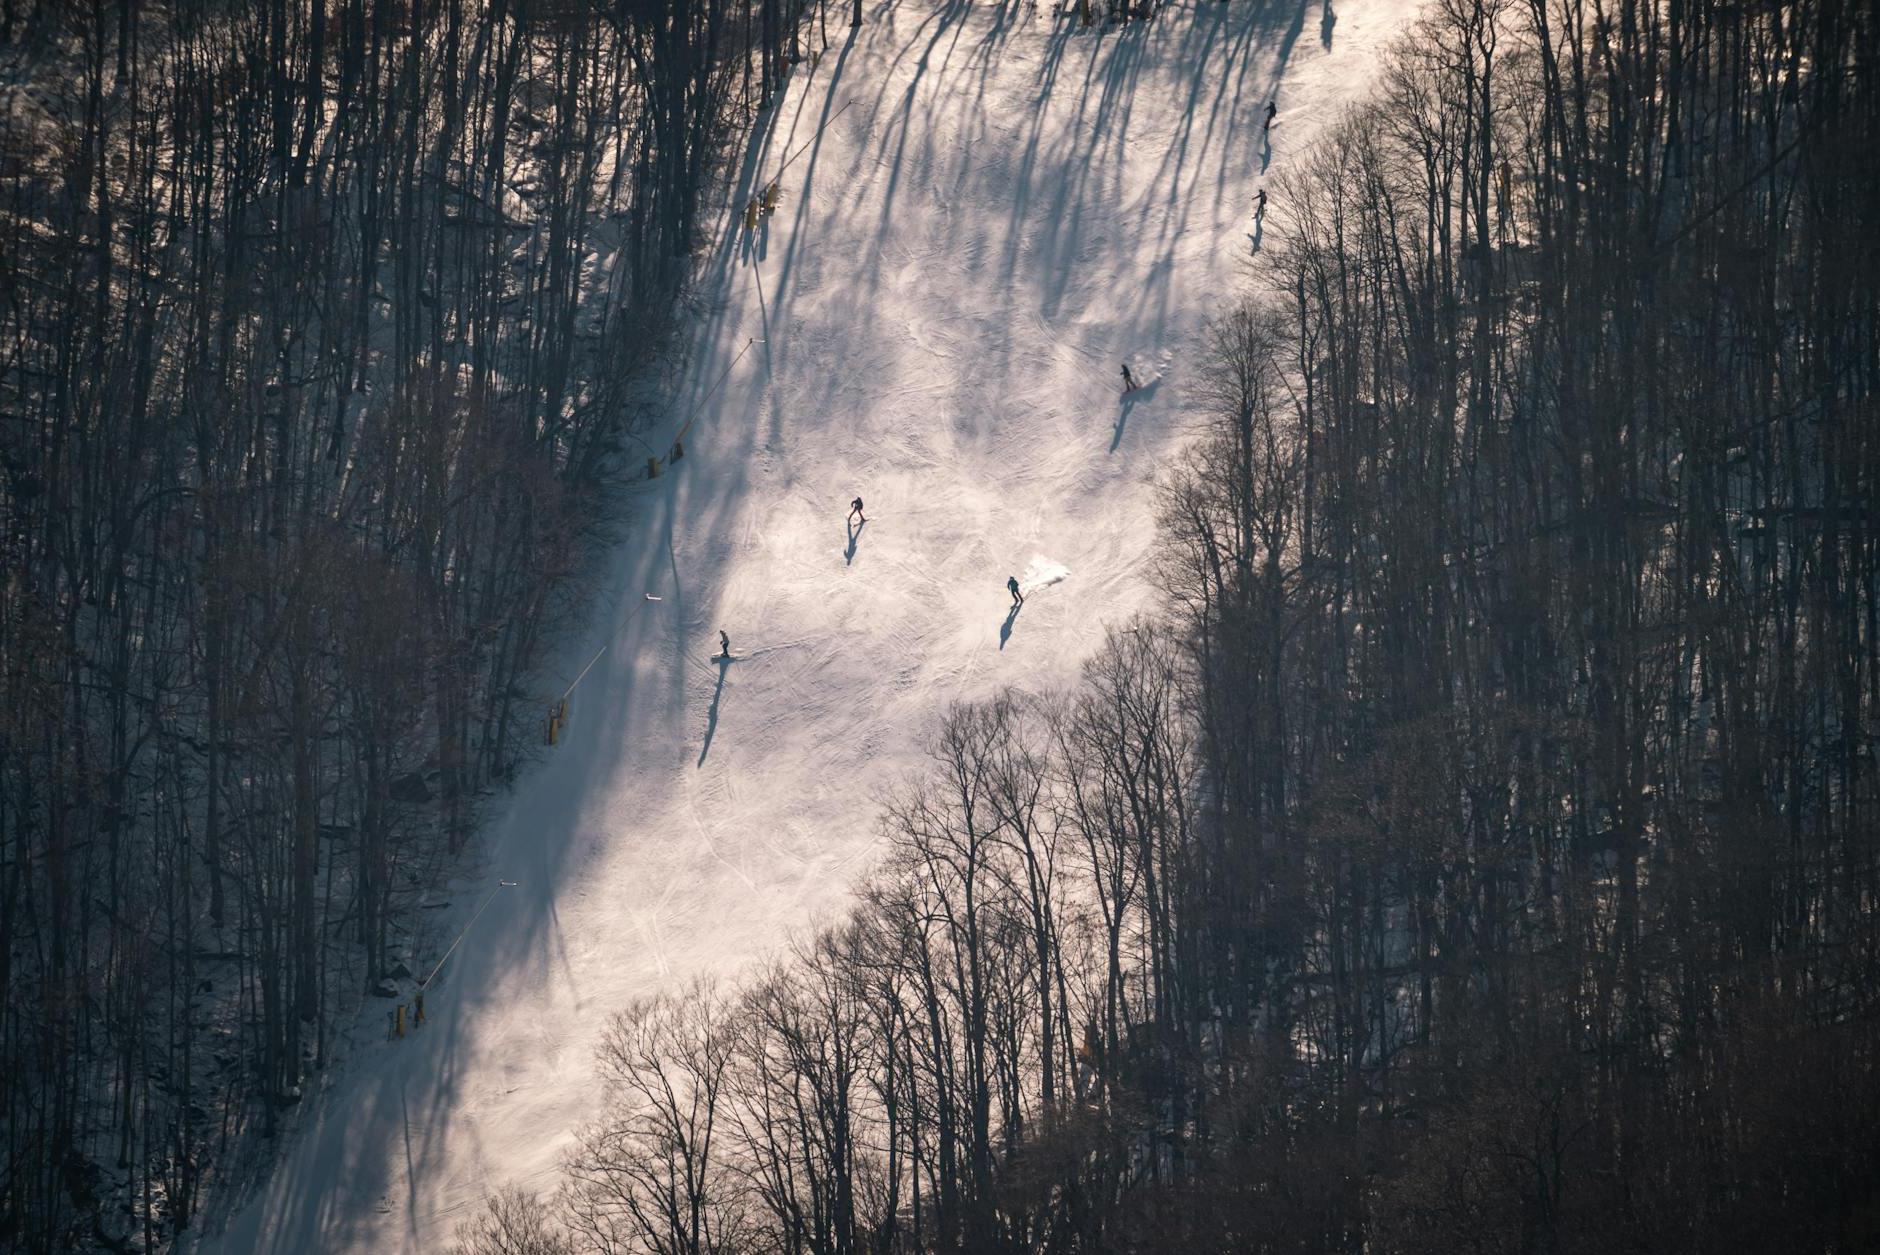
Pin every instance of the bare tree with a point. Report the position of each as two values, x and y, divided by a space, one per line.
513 1222
650 1174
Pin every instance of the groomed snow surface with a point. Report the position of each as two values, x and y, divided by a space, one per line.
1008 210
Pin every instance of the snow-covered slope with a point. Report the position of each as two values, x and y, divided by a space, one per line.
1007 210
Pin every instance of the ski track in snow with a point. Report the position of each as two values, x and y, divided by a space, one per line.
1008 210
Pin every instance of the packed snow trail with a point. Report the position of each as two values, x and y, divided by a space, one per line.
1007 210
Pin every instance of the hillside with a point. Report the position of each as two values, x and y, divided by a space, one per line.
992 210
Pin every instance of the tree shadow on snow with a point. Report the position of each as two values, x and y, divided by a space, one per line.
855 534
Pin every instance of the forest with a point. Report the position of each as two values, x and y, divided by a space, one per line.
321 327
1480 853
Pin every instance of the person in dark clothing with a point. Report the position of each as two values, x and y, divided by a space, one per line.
1259 204
1011 586
1129 380
1272 111
724 644
855 510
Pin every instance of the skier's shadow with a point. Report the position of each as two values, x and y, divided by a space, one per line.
1266 151
1142 392
711 716
1011 617
855 534
1259 230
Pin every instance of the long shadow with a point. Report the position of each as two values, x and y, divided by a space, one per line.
1143 392
1227 47
411 1167
1239 40
1290 38
1227 73
733 245
1327 20
905 111
1178 148
711 716
1011 617
806 183
855 534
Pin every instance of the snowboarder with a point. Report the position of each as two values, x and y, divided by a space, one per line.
1011 586
1129 380
1259 204
724 644
855 510
1272 111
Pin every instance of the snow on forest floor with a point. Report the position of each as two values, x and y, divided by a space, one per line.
1008 210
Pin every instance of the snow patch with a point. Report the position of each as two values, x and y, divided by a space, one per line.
1042 573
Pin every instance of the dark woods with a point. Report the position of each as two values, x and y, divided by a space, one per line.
1481 855
317 329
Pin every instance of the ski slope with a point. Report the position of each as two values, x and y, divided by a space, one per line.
1007 210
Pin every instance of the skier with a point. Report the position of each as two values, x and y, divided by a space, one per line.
1129 380
855 510
724 644
1259 204
1272 111
1011 586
